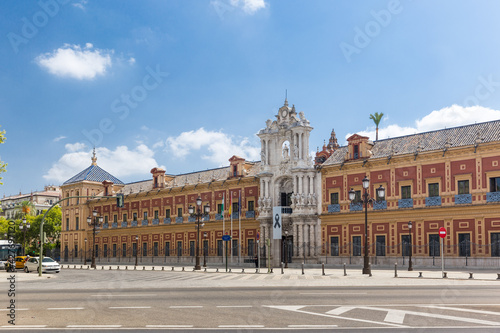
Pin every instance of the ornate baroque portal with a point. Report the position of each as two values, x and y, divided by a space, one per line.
288 179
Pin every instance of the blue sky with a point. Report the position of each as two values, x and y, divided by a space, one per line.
186 84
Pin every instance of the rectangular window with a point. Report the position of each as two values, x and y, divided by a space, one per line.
67 224
179 248
464 245
495 184
434 190
155 249
463 187
114 250
124 217
77 223
144 249
495 244
334 198
235 207
179 212
406 192
405 243
434 250
106 219
97 250
156 214
235 247
134 217
75 253
145 215
356 246
124 249
251 206
251 247
219 208
205 247
115 218
380 246
167 249
134 249
191 248
167 213
105 251
357 196
334 246
220 247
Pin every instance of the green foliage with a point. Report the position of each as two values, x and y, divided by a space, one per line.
2 164
376 118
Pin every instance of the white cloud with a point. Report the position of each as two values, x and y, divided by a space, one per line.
131 60
121 162
59 138
80 5
447 117
76 62
218 147
248 6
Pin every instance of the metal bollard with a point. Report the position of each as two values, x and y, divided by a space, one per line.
302 268
183 269
471 275
135 267
217 270
88 267
498 276
345 271
74 266
230 270
118 267
445 275
205 269
109 267
81 266
323 268
143 268
126 268
163 268
256 270
396 270
172 268
102 267
271 269
243 270
420 275
282 269
153 268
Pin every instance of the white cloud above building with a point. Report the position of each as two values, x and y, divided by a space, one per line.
76 62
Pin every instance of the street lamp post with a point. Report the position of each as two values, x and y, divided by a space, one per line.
198 215
366 200
85 253
94 222
286 248
136 248
205 234
410 265
24 226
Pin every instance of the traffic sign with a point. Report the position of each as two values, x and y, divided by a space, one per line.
226 238
442 232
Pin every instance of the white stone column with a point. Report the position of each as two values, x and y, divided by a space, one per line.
312 239
311 184
300 237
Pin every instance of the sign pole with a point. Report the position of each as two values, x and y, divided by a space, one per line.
258 256
226 255
442 235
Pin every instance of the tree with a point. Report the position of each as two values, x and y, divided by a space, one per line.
27 208
2 164
376 119
51 226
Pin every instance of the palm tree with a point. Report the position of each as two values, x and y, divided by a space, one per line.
376 119
27 208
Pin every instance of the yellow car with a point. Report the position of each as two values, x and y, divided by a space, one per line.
20 260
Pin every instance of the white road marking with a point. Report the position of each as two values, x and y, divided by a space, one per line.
94 326
234 306
24 326
16 310
169 326
296 309
126 295
312 326
437 316
347 294
340 310
463 310
395 316
65 308
130 307
241 326
185 306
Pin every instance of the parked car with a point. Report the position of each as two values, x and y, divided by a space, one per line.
48 265
20 260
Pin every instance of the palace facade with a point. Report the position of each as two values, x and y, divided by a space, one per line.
447 178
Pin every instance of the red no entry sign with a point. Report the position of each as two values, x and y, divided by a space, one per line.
442 232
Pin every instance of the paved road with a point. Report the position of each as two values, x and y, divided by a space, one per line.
78 299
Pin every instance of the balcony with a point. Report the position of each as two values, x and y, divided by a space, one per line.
124 224
134 223
405 203
219 217
432 201
167 220
250 214
493 197
105 226
356 207
155 222
334 208
114 225
235 216
191 219
144 222
179 219
205 218
461 199
378 205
